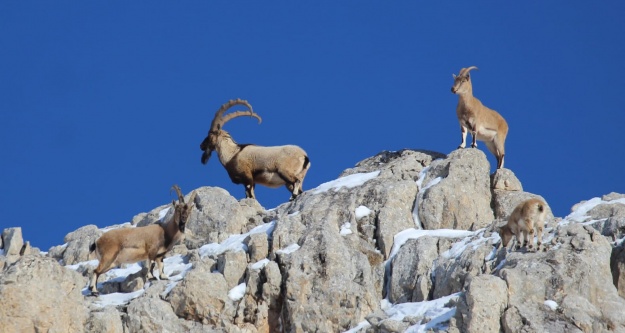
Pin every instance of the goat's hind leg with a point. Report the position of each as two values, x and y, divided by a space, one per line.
106 263
161 272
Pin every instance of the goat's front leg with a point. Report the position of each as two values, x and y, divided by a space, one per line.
463 133
150 266
161 273
249 191
531 239
474 136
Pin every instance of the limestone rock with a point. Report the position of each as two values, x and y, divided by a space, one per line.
107 320
504 179
483 304
461 198
36 293
217 215
573 274
258 246
78 243
232 265
412 270
202 297
13 243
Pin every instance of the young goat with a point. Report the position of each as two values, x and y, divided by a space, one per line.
250 164
151 242
484 124
528 217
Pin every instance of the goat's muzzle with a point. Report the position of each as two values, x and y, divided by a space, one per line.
453 90
206 155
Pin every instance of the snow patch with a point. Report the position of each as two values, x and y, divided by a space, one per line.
257 266
115 299
402 237
422 189
579 214
235 242
237 292
361 212
551 304
289 249
346 229
163 213
350 181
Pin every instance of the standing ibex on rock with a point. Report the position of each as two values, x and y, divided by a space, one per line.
250 164
484 124
151 242
527 218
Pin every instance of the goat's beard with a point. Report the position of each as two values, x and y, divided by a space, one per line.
206 155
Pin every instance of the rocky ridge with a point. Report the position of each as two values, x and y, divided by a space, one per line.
404 241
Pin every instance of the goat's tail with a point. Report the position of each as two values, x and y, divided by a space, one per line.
540 207
306 162
92 248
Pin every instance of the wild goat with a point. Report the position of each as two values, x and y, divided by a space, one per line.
484 124
526 218
250 164
151 242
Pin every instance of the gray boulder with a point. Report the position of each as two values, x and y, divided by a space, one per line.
39 295
78 243
412 270
573 274
461 199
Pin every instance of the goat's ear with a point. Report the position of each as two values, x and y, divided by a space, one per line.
173 202
454 75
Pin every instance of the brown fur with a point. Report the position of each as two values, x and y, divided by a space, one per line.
150 243
527 218
484 124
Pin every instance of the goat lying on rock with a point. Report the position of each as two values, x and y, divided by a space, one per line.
251 164
526 218
484 124
151 242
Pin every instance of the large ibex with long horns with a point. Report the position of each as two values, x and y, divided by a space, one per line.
151 242
251 164
484 124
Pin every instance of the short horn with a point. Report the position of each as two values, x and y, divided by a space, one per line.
465 71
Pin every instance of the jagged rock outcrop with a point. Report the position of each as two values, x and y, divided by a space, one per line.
39 295
458 194
348 253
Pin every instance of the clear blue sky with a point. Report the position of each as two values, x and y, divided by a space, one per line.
103 105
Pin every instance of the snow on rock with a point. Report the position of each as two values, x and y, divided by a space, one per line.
551 304
346 229
580 210
289 249
350 181
235 242
361 211
402 237
237 292
116 299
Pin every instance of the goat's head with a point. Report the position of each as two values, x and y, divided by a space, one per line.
216 133
462 82
182 210
506 235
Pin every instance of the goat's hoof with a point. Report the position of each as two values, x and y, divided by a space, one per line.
163 278
94 294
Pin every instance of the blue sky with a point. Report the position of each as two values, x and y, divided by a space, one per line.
103 105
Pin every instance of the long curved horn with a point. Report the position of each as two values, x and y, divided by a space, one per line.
465 71
180 196
233 115
218 120
192 197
